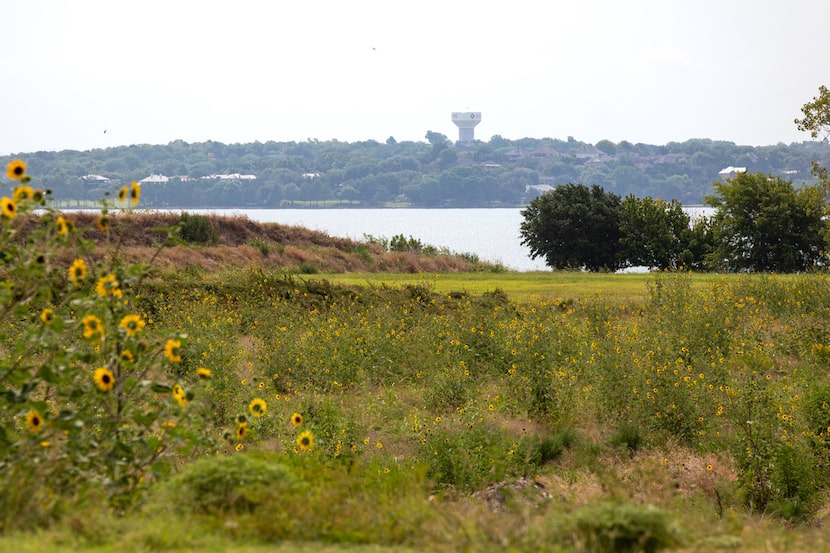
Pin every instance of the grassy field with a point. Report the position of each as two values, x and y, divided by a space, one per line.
574 412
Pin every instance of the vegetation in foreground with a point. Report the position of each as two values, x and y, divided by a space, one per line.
158 409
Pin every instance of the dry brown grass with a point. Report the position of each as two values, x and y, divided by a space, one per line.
242 243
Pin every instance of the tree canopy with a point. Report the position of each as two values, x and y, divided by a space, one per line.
763 223
574 226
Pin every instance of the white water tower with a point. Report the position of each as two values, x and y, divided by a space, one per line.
466 122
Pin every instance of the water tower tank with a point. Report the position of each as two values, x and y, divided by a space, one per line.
466 122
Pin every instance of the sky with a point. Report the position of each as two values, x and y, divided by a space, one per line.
96 74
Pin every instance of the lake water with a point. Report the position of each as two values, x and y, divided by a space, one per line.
491 234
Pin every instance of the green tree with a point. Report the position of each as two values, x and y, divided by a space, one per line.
763 223
574 226
816 121
653 232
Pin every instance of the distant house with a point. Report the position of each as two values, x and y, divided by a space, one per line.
94 178
230 176
730 172
154 179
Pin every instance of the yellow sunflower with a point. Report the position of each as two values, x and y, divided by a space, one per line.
103 222
203 372
8 207
257 407
23 193
92 326
16 169
241 431
132 324
122 194
135 192
108 285
172 350
46 316
34 422
305 441
104 379
180 395
77 271
63 224
297 419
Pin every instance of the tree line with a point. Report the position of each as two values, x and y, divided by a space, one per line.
433 173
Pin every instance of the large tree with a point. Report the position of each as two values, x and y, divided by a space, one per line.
574 226
763 223
816 121
654 233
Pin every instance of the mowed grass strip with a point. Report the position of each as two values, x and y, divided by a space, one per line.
616 288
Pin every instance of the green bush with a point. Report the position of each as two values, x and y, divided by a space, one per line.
196 229
624 528
229 484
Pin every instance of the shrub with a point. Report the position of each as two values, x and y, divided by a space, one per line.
229 484
196 229
623 528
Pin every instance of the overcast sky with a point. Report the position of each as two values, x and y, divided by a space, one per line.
149 72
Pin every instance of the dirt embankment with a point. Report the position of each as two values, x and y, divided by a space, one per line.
214 242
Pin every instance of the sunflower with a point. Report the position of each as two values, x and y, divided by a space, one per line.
104 379
297 419
8 207
77 271
135 192
108 285
203 372
127 356
305 441
63 224
46 316
92 326
122 194
16 169
257 407
103 222
132 324
172 350
23 193
34 421
180 395
240 447
241 431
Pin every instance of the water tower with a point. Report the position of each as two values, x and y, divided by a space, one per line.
466 122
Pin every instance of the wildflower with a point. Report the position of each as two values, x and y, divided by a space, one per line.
127 356
297 420
108 285
23 193
104 379
135 192
241 431
92 326
257 407
103 222
122 194
203 372
16 169
77 271
63 225
46 316
379 445
172 350
34 422
305 441
7 207
180 395
132 324
709 468
240 447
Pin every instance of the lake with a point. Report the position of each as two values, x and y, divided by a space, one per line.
491 234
